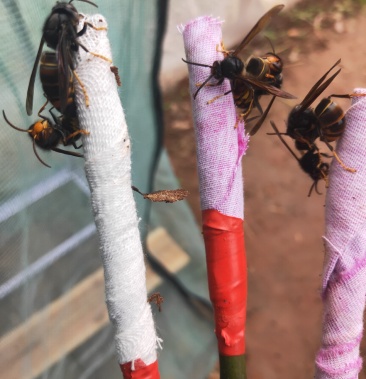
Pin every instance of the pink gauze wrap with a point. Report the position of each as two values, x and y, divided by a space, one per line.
344 276
220 146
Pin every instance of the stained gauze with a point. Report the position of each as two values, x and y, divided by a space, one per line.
344 276
107 153
220 146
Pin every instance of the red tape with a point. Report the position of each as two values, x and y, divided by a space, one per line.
141 371
227 278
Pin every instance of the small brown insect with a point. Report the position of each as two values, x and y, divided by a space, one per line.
114 69
157 299
168 196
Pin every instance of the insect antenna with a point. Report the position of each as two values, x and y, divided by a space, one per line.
206 81
197 64
314 185
13 126
271 44
36 153
279 135
85 1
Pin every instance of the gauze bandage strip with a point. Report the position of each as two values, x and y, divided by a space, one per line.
220 147
344 277
108 169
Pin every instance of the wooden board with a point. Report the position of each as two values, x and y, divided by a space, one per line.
69 321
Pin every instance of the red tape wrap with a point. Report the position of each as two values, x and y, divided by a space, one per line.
141 371
227 278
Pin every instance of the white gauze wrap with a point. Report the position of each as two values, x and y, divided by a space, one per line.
344 277
108 169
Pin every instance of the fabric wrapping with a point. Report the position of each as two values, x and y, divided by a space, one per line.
344 275
220 146
107 152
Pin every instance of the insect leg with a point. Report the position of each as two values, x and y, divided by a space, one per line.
257 104
220 48
101 56
218 97
82 88
94 27
348 95
66 152
336 156
250 107
57 125
81 131
243 115
263 117
41 110
95 54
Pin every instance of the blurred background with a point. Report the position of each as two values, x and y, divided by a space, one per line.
53 320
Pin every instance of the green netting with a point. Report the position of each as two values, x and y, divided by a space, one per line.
47 236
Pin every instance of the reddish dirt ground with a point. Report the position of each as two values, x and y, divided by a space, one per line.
283 225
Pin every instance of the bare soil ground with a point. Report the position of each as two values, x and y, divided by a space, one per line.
283 225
